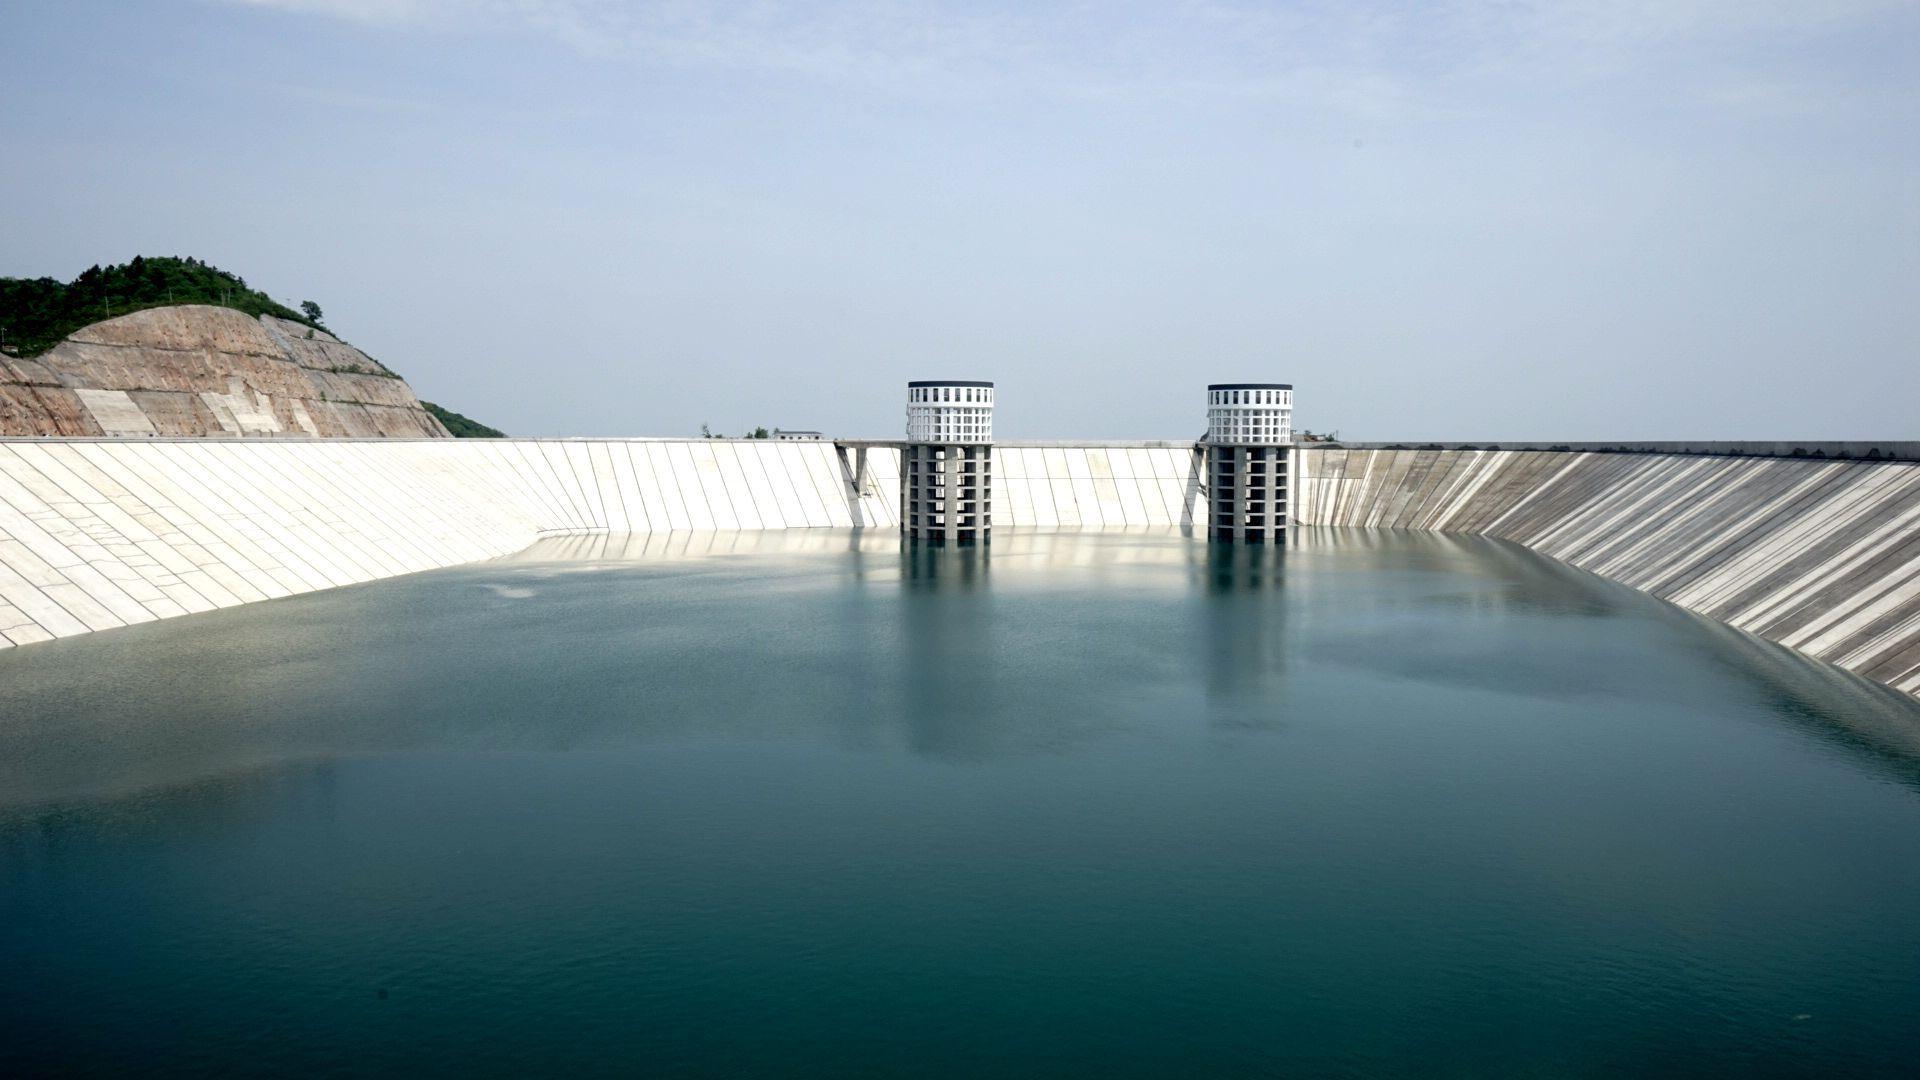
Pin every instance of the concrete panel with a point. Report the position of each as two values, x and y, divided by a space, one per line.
767 504
667 479
739 497
1821 556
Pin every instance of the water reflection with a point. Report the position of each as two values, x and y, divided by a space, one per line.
1821 699
1244 652
1013 801
1043 643
959 568
1479 612
949 679
606 548
209 806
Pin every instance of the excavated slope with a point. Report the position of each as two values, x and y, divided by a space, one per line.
199 370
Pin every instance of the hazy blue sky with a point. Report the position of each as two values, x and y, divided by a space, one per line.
1662 218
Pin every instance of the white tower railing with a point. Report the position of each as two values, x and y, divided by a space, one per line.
1250 414
950 413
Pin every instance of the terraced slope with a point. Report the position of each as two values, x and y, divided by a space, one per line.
201 370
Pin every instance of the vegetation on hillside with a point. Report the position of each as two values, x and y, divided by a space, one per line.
38 313
462 427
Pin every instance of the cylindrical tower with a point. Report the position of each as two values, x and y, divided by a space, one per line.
946 472
1249 432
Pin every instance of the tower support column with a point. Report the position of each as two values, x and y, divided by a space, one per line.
946 492
1247 492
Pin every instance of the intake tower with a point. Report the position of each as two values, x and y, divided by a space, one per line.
946 470
1249 429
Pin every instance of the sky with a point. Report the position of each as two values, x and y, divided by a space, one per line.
1649 219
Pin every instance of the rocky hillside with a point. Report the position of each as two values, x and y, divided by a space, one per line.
201 370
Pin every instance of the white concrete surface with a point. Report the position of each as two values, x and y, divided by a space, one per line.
1819 556
96 534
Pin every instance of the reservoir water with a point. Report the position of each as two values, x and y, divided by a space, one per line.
1099 805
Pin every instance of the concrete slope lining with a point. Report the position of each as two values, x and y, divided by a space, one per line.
101 533
1820 555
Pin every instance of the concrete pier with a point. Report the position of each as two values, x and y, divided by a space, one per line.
947 493
1247 492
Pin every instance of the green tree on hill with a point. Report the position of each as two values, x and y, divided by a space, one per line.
462 427
37 313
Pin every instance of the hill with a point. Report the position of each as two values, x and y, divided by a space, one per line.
462 427
175 347
38 313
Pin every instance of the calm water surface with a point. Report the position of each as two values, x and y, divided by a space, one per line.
1122 804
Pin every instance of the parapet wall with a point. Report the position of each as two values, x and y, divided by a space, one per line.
1855 450
101 533
1820 556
